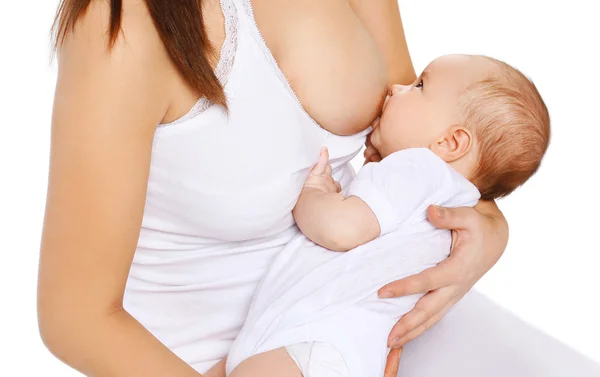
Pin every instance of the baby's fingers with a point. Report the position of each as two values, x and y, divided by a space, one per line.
370 152
323 162
328 170
331 185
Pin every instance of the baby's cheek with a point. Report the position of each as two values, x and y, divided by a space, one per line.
386 134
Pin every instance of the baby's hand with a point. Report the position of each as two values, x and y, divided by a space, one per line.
320 176
371 154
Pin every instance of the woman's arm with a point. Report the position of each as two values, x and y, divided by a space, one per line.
107 106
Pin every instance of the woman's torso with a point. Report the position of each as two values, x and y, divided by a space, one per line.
222 186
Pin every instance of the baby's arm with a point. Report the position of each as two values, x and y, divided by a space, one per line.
327 218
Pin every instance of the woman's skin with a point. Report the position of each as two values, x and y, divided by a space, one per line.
107 107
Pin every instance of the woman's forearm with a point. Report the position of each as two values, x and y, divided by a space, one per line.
110 345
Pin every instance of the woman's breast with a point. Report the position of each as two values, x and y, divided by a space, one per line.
330 59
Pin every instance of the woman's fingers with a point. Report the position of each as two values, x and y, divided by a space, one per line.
447 272
426 308
416 332
453 218
392 363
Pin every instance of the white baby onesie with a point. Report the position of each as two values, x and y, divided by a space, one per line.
314 295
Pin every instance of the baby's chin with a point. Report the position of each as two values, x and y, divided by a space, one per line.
384 147
380 145
376 138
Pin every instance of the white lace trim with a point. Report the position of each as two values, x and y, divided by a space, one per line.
223 68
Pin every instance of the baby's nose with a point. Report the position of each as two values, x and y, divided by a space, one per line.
397 88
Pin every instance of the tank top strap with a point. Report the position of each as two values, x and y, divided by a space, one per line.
226 58
229 46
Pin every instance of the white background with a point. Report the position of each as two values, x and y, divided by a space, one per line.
549 275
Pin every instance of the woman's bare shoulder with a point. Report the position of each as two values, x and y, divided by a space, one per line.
86 54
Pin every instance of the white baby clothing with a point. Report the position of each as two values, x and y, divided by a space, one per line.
312 294
318 359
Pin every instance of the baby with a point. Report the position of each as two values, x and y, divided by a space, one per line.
470 127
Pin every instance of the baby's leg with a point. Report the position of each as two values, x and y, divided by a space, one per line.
275 363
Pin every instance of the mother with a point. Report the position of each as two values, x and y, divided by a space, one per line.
174 169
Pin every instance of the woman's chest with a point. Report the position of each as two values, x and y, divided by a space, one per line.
329 58
238 177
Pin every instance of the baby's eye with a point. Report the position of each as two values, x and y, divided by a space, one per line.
419 85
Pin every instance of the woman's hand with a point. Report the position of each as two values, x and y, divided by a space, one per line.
479 237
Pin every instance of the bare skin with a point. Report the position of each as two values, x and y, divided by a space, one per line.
318 68
106 110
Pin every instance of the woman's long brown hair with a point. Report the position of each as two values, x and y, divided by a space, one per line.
180 26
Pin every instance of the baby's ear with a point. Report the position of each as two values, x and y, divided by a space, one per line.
453 144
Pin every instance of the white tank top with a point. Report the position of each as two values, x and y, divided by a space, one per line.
220 195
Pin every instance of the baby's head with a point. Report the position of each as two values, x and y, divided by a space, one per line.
479 114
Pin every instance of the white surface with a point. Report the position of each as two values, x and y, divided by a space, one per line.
549 274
